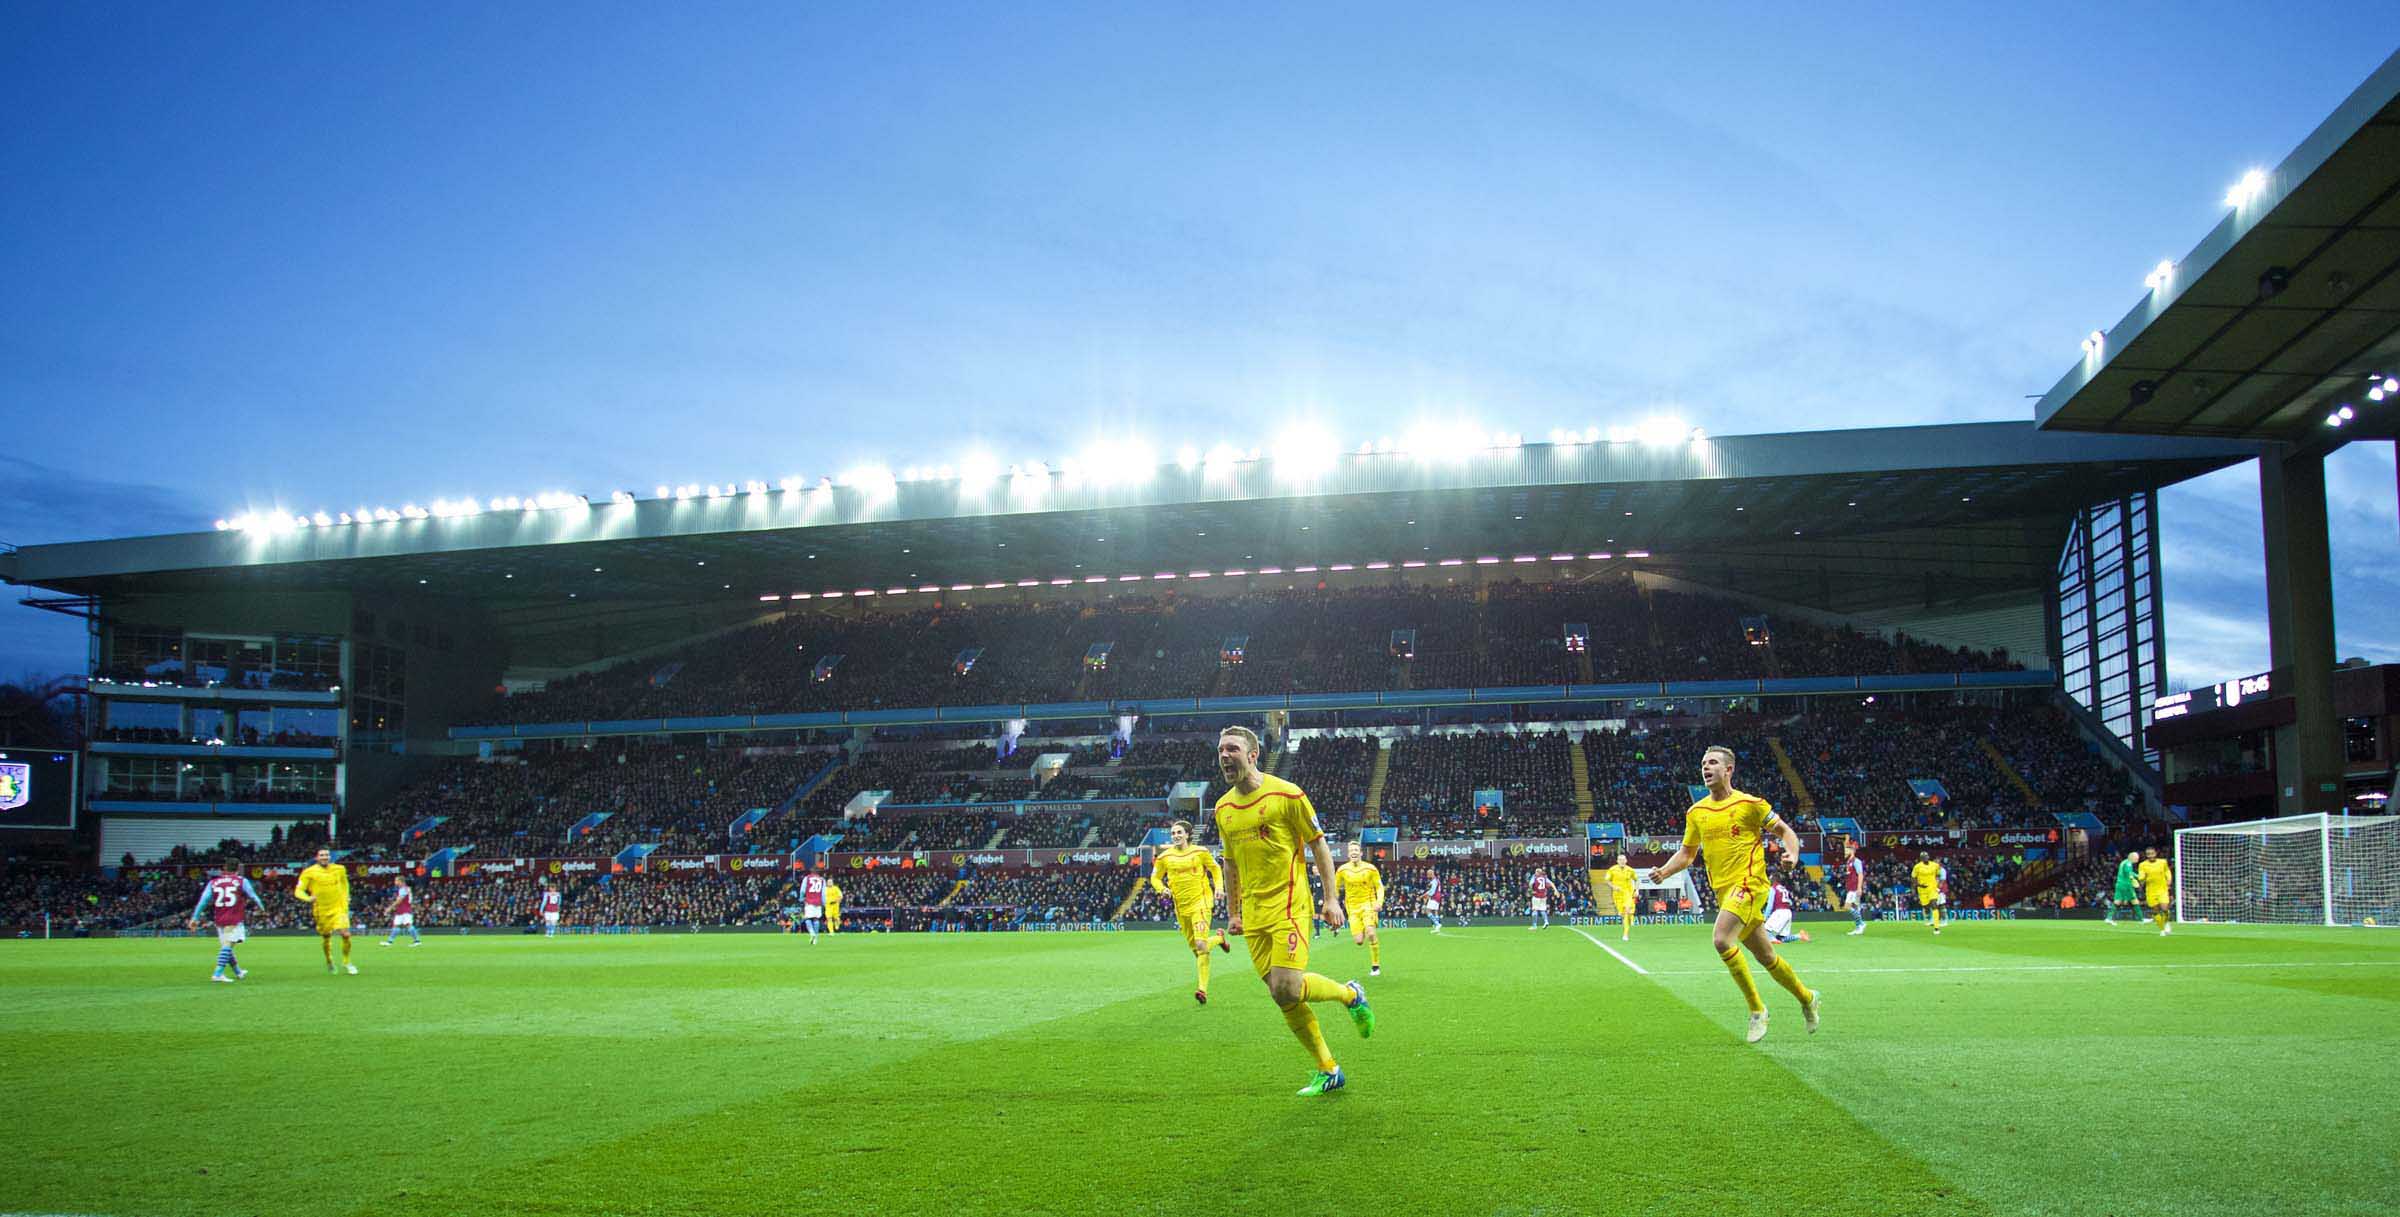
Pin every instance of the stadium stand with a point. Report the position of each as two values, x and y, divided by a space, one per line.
1169 646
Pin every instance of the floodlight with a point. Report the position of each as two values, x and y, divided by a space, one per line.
1304 451
2247 190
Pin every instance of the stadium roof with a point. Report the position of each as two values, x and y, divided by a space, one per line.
2280 316
1833 518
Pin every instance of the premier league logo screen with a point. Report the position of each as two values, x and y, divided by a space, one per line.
37 789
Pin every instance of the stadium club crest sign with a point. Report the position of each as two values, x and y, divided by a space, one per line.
16 784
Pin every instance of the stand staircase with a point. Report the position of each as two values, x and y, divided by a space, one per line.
1581 767
1375 783
2009 771
1791 775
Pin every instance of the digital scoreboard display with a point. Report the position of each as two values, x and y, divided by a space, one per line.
37 788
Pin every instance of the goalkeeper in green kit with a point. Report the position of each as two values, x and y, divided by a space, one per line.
2123 895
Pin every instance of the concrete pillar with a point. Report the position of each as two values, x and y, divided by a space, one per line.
2308 753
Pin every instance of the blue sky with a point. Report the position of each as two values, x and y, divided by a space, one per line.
319 256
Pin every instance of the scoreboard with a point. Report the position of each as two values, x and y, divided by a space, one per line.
37 788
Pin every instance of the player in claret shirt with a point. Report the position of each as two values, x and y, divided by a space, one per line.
226 900
812 900
551 907
1538 890
1854 886
403 912
1779 916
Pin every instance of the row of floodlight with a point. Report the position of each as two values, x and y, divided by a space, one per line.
1305 568
2379 387
1299 453
2240 195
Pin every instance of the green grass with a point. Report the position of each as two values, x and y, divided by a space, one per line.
2003 1068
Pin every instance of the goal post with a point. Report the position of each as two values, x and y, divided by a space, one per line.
2291 870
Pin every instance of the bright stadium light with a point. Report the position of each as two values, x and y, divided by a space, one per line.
792 484
1116 462
2160 275
1222 459
1443 441
1187 457
1304 451
623 498
977 470
2247 190
1662 430
2093 343
323 520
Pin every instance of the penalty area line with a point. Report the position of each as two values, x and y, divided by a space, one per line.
1611 950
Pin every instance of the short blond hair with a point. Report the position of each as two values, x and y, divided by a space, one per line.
1249 737
1716 748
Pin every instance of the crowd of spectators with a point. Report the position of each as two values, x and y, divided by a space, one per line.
848 656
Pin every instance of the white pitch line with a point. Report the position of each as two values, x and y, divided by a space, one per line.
1611 950
2048 967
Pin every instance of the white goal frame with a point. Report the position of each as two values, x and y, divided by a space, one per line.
2324 828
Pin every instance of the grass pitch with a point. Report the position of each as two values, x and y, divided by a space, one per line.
2057 1068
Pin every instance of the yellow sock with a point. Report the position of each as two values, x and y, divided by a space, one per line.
1303 1022
1375 954
1937 916
345 950
1323 988
1782 971
2161 919
1740 968
326 941
1202 960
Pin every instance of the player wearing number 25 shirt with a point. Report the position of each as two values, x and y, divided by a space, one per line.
225 900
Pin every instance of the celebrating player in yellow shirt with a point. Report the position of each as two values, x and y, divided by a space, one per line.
327 887
1268 827
1930 877
2158 887
1621 889
1362 897
833 906
1730 827
1187 874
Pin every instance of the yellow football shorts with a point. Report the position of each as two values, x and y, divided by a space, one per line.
1192 919
332 921
1282 945
1748 904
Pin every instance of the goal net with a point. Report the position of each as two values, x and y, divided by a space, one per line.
2295 870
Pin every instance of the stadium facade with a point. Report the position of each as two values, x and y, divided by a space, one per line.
336 659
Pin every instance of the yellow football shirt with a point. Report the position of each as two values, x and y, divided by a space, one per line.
328 887
1188 873
1362 885
1621 878
1267 833
1928 875
833 896
2158 878
1731 835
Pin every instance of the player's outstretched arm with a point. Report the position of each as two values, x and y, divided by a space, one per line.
1673 866
1333 914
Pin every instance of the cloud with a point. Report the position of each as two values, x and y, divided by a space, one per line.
2213 566
41 504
